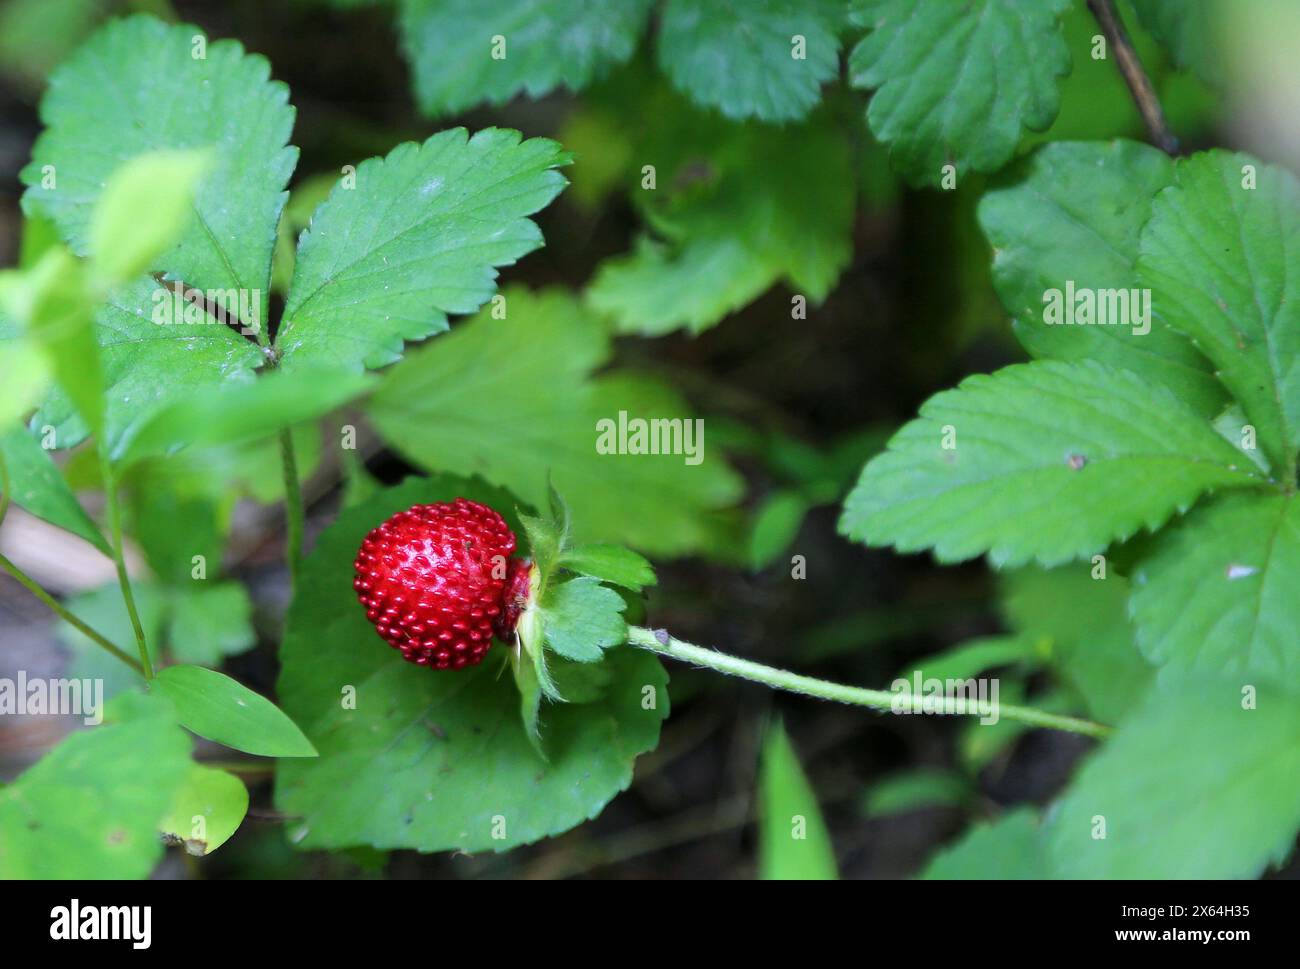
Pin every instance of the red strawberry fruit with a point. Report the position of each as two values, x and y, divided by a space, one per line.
433 580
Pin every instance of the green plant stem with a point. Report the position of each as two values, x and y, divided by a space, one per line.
114 515
293 514
663 644
4 488
59 610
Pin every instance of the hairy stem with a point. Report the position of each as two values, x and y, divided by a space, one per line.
59 610
658 641
114 515
1139 85
293 513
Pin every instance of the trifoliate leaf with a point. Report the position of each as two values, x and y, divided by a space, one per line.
958 83
1221 255
485 399
1046 460
1218 592
763 59
610 563
1067 221
36 485
582 618
140 85
433 760
419 235
90 807
794 843
1009 848
151 357
727 228
1202 782
465 52
207 810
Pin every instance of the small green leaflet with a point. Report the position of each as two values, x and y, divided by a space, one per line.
465 52
1191 30
419 236
793 840
1218 592
958 83
36 485
1203 782
208 809
222 710
610 563
1041 461
1069 218
582 618
1221 255
140 85
763 59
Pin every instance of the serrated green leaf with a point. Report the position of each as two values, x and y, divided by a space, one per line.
1009 848
207 810
1052 461
438 760
148 365
958 83
457 61
222 710
719 245
140 85
146 206
610 563
582 618
36 485
743 59
1218 592
420 235
1223 262
793 841
1071 215
209 621
90 807
463 405
1192 785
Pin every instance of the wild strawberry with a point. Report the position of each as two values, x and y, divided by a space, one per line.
432 579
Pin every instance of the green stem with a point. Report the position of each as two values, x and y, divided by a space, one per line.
4 488
123 580
59 610
293 513
660 642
